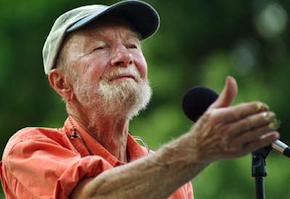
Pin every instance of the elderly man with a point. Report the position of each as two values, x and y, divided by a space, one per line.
94 61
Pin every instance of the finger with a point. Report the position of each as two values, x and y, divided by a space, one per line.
250 136
253 122
228 94
240 111
266 140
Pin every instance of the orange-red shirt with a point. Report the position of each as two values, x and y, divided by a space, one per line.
49 163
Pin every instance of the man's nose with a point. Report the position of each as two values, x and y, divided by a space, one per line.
122 57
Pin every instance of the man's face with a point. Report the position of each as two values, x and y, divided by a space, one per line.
109 69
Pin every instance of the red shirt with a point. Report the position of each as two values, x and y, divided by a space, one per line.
49 163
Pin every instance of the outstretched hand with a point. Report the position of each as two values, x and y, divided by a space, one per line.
226 131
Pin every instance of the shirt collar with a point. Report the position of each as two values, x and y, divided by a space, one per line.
134 150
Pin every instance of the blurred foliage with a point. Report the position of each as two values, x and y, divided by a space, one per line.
199 43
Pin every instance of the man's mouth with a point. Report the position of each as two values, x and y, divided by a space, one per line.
122 77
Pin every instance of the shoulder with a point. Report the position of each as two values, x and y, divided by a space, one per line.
32 134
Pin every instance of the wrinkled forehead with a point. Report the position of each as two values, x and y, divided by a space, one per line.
104 27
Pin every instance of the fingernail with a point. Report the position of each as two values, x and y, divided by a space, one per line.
274 125
266 107
266 115
262 107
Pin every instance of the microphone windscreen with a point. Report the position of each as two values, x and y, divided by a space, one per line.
196 101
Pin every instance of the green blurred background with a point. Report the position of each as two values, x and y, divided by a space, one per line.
199 43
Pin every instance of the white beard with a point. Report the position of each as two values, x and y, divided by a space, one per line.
124 98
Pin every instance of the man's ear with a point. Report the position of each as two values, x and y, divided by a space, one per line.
59 82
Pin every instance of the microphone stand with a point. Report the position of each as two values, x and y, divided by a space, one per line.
259 170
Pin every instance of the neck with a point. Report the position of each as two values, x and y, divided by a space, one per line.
111 131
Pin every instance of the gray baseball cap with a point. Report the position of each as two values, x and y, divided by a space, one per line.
141 15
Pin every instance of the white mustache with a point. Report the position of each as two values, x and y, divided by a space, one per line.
122 71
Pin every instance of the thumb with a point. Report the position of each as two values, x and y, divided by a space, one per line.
228 94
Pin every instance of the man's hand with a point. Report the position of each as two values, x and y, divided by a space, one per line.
225 132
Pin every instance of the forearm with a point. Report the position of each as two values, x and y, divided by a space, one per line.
218 134
156 176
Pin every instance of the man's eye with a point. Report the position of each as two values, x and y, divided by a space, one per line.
99 48
133 46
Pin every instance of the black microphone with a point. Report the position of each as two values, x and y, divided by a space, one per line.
197 100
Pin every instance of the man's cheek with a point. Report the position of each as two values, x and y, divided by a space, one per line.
142 67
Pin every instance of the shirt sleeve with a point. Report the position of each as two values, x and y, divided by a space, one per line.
42 168
189 191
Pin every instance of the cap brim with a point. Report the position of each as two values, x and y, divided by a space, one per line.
141 15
